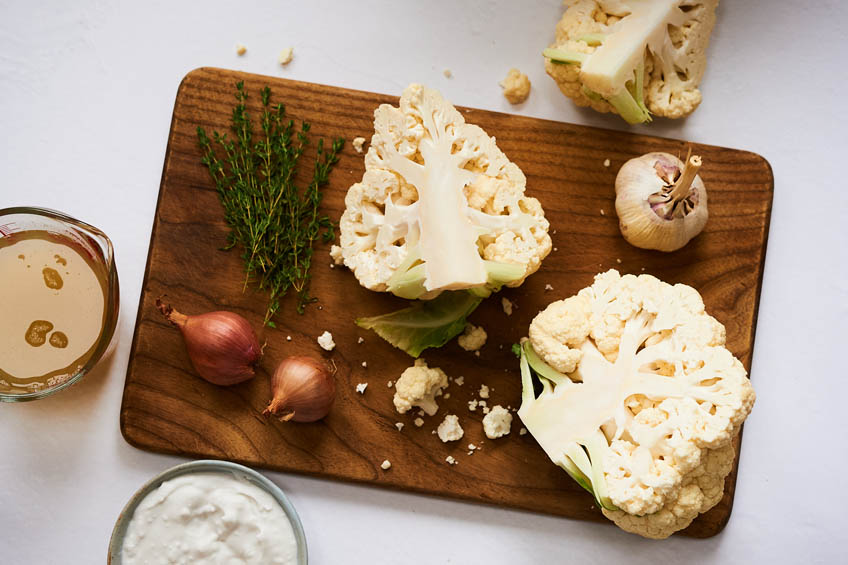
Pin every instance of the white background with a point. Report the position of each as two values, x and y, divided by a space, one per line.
87 89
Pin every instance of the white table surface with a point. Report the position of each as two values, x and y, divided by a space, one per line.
87 89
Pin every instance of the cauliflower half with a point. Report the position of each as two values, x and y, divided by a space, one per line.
640 400
439 207
633 57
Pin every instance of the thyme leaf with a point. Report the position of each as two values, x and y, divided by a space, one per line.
273 221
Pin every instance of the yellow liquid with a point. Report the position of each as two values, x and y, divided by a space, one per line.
52 310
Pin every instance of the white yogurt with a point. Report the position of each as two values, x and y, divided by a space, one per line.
209 518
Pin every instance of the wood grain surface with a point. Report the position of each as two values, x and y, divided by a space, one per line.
168 409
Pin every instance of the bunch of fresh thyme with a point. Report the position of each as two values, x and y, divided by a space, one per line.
270 218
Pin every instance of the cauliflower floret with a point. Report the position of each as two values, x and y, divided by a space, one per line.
671 69
439 207
516 86
497 422
558 331
473 338
647 402
700 490
419 385
449 429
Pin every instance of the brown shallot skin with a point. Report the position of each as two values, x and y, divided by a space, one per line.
222 346
303 389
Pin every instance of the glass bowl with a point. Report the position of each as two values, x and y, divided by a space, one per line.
116 542
92 241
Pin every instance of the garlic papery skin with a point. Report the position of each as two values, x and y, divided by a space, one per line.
661 202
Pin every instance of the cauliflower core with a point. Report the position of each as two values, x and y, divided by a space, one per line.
439 207
640 399
633 56
419 385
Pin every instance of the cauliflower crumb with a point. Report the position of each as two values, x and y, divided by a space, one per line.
497 422
360 340
602 212
522 432
357 143
418 422
449 429
365 364
286 56
338 259
450 460
240 49
516 86
325 340
472 405
399 425
484 391
360 388
288 338
507 305
386 465
446 396
389 384
606 162
618 261
447 73
473 338
485 409
419 385
459 381
472 447
548 287
481 403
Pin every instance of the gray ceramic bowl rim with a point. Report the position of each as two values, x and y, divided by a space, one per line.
116 542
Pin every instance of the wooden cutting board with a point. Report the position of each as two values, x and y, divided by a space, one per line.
168 409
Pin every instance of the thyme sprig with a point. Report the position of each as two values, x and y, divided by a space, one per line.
271 219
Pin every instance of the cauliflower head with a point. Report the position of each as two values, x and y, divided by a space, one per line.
419 385
439 207
640 399
633 57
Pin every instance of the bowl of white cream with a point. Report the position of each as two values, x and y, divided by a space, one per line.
212 512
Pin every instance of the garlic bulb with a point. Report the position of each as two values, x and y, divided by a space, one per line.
661 203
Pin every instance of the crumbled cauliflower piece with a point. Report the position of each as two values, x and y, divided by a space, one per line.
360 388
399 425
440 207
516 86
522 432
548 287
449 429
357 143
386 465
473 338
507 305
325 340
240 49
497 422
484 391
459 381
418 422
472 405
338 259
641 400
419 385
606 162
286 56
450 460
